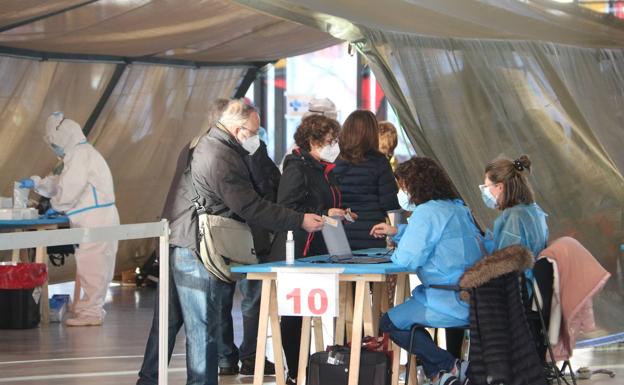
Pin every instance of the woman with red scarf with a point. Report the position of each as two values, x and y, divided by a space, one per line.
308 186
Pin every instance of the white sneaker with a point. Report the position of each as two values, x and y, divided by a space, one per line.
83 321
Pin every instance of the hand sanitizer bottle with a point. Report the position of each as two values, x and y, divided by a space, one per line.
290 249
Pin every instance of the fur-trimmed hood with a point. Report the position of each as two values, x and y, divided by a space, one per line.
503 261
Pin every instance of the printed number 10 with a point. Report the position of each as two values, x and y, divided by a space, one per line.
295 295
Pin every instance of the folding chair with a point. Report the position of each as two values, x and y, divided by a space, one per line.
543 274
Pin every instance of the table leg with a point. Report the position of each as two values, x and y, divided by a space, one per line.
356 333
318 334
378 293
399 297
15 253
263 323
342 314
41 257
276 337
367 315
385 301
349 312
413 379
304 350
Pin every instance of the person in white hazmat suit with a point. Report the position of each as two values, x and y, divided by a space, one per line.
84 192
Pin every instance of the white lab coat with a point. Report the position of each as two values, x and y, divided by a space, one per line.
84 191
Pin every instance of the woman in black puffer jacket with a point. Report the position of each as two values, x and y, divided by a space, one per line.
365 178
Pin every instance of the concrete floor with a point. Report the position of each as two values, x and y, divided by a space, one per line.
112 354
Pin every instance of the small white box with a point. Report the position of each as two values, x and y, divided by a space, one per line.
6 202
25 214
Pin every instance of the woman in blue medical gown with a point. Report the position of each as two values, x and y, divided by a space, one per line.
522 221
439 243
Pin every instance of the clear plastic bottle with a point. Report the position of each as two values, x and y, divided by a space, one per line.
290 249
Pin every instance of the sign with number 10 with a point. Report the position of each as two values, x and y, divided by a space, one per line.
307 294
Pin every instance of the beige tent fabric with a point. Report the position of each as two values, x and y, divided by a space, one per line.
199 30
152 114
15 11
477 99
29 92
485 19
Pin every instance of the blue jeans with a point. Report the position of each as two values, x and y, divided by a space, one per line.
192 282
434 358
148 375
222 295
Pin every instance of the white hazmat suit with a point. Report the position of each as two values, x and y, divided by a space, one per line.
84 192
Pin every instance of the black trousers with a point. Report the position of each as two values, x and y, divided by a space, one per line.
291 341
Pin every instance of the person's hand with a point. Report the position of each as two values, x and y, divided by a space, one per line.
336 213
380 230
51 213
353 215
312 223
27 183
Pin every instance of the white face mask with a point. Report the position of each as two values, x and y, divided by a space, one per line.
404 201
251 144
330 152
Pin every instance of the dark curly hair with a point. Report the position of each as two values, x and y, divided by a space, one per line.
314 129
424 180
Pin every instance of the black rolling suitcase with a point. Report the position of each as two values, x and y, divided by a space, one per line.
332 367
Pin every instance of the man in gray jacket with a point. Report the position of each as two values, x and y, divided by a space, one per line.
225 188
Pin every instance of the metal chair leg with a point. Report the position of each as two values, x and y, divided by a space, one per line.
567 364
553 363
409 354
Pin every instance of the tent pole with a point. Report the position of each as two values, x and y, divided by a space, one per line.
112 83
246 82
96 58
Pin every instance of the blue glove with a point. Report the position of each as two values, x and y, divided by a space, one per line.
27 183
51 213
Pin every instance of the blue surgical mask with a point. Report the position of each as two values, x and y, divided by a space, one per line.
488 198
58 150
404 201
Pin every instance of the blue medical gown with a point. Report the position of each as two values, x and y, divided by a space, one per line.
521 224
439 243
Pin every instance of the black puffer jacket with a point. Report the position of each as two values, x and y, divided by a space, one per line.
502 350
225 187
370 190
307 186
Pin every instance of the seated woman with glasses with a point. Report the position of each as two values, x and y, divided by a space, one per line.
506 188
